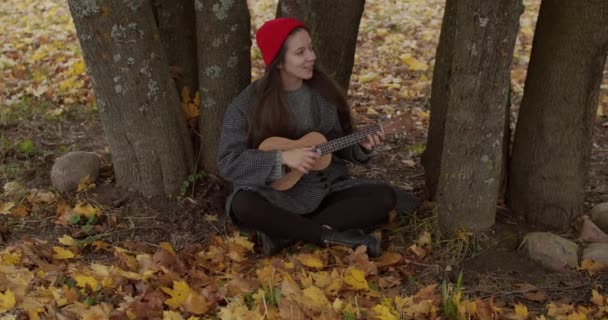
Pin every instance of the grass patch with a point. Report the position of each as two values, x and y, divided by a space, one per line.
30 109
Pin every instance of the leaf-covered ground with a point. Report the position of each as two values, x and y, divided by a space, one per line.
105 253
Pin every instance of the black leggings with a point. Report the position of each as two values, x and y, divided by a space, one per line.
360 207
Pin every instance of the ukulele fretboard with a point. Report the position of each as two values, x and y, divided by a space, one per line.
348 140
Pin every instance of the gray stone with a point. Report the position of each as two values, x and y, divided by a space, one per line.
599 215
551 251
592 233
70 168
597 252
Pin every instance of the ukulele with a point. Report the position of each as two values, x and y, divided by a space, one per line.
325 148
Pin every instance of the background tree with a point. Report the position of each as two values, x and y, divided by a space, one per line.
334 26
138 105
553 135
469 94
177 28
224 58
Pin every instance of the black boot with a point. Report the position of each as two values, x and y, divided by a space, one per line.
271 246
352 239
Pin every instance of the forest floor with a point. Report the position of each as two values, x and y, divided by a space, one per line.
177 258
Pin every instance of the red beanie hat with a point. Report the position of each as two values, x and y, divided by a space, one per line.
272 34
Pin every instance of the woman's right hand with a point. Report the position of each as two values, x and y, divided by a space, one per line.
302 159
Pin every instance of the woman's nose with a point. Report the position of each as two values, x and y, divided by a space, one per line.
311 55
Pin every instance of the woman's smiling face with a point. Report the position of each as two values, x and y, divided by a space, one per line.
298 61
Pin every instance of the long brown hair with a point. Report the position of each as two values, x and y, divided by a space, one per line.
271 116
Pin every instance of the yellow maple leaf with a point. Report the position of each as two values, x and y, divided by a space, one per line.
236 311
597 298
167 246
310 260
521 312
355 278
241 241
128 259
178 294
86 209
62 254
368 77
82 281
68 84
79 68
172 315
85 184
66 240
591 266
382 312
184 296
315 299
413 63
7 301
10 258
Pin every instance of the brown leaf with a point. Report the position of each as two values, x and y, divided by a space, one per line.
387 258
538 296
289 309
426 293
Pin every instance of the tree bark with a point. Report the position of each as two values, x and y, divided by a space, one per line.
138 105
440 89
334 26
553 135
177 27
469 95
224 58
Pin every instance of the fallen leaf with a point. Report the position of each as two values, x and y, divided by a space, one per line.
539 296
62 254
368 77
7 301
86 209
382 312
310 260
5 208
412 63
66 240
387 258
521 312
592 267
82 281
315 299
355 278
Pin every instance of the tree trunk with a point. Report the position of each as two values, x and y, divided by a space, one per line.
440 89
469 95
506 152
224 58
138 105
177 28
553 135
334 26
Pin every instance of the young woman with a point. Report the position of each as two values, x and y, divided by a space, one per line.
294 98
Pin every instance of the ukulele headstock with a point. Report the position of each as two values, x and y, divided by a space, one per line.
401 123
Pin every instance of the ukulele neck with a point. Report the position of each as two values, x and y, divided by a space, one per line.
348 140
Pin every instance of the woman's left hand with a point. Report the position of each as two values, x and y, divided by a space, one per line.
372 140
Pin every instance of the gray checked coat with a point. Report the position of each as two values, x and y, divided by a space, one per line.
255 170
